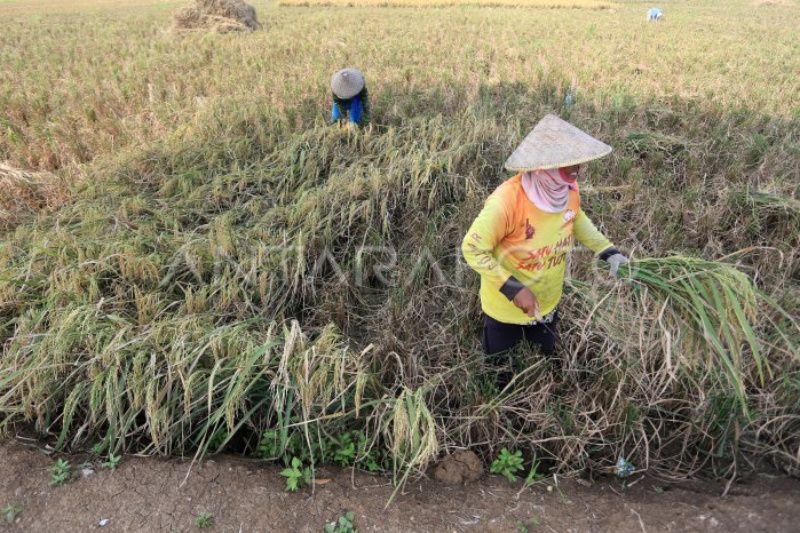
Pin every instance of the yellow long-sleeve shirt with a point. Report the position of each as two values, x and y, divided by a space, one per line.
512 243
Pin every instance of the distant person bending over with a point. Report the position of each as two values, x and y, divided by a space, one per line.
350 98
654 14
520 240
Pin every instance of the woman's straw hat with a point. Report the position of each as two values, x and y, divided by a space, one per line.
555 143
347 83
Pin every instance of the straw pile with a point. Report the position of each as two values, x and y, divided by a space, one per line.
221 16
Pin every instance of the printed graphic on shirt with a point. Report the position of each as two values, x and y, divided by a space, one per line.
484 260
546 257
529 230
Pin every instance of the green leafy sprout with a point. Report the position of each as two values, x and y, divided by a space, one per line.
507 464
60 473
11 512
296 475
345 524
527 525
204 520
112 462
533 474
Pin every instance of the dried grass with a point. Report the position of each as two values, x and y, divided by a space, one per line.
24 192
221 16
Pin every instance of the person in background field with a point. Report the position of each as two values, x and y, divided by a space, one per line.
350 98
520 240
654 14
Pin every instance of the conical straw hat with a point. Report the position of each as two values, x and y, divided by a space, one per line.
555 143
347 83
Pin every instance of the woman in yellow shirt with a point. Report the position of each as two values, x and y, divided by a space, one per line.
519 241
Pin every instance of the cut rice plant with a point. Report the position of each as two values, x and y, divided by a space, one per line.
715 308
772 201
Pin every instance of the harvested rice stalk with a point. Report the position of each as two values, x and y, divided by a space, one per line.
771 201
717 306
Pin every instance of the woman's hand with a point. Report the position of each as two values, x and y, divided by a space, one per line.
526 301
616 261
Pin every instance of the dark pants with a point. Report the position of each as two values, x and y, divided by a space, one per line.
499 337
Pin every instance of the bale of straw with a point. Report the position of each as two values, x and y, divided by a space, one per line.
23 192
221 16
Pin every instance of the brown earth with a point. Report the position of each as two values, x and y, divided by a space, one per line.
146 494
459 467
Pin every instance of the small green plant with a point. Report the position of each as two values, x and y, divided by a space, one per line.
273 446
296 475
60 473
99 447
486 386
371 462
533 474
507 464
204 520
527 525
217 440
343 525
369 458
350 448
112 462
269 446
344 453
11 512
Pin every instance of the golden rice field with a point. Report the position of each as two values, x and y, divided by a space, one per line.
182 251
86 83
542 4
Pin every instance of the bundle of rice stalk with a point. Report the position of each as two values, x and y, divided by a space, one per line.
767 200
718 308
222 16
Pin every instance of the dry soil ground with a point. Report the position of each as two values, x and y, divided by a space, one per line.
150 495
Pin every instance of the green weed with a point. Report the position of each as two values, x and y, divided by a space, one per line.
60 473
297 475
525 526
533 474
112 462
345 524
11 512
204 520
269 446
507 464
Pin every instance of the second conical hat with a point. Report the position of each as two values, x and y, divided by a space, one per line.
347 83
555 143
